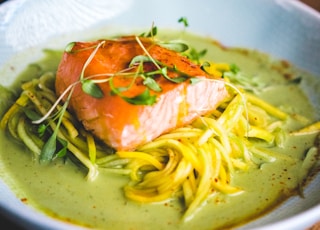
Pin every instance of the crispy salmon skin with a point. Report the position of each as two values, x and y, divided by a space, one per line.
123 125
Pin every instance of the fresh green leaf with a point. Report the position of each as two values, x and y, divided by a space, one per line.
175 68
139 59
179 79
195 80
234 68
152 84
295 81
175 79
153 32
205 64
31 114
48 150
144 98
175 46
195 55
184 20
42 129
69 47
63 151
89 87
116 90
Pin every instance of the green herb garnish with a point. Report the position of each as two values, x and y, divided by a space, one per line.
195 55
153 32
184 21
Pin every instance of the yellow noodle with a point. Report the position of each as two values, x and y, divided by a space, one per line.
204 184
232 113
177 177
72 131
181 134
154 178
187 192
226 188
260 133
141 155
135 167
143 196
169 143
91 148
13 123
25 137
310 129
21 101
272 110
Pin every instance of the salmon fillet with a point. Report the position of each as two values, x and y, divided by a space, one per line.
126 126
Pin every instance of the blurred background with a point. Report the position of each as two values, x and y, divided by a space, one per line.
313 3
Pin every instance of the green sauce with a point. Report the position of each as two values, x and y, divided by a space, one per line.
60 189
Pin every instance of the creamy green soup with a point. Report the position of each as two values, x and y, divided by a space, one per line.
60 189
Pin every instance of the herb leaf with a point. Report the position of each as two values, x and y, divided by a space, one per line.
152 84
63 151
175 79
234 68
139 59
195 55
295 80
153 32
175 46
48 150
42 129
195 80
31 114
184 20
89 87
144 98
69 47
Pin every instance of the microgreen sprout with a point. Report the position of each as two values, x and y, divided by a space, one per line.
234 68
49 149
175 46
152 33
184 21
88 86
69 47
195 80
195 55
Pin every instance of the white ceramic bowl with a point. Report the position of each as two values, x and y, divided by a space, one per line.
286 29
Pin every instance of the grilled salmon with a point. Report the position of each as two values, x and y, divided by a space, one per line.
123 125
